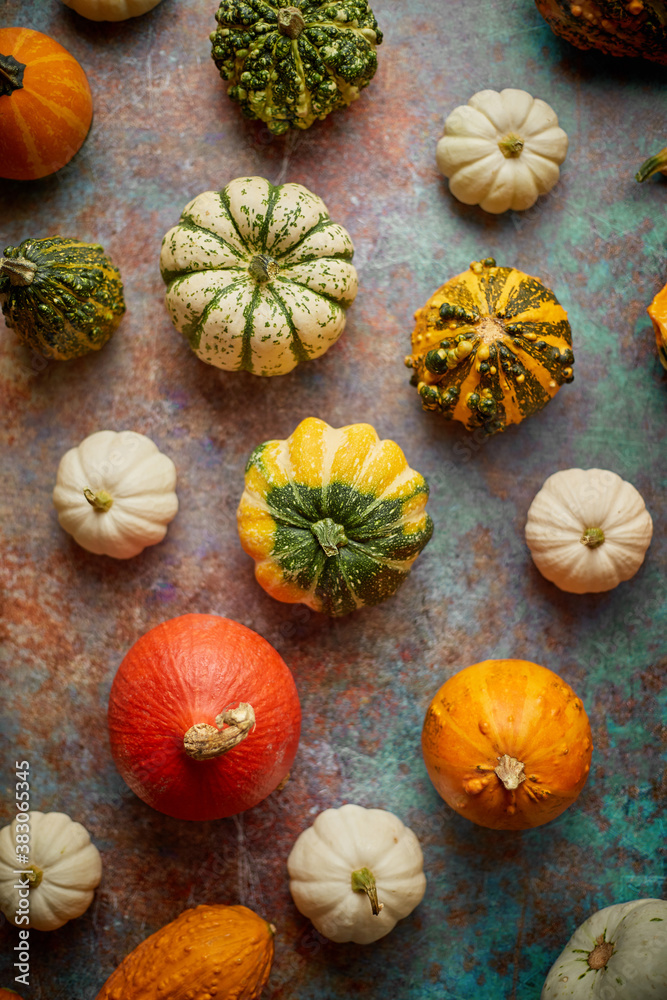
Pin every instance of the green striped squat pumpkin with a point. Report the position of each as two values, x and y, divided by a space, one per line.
258 276
334 518
62 297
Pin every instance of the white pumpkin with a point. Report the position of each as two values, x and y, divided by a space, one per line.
620 953
115 493
501 150
588 530
111 10
355 872
258 277
64 868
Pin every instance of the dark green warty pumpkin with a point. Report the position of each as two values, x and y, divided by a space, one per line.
62 297
289 64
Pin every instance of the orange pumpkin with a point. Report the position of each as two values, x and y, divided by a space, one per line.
210 951
45 105
658 313
8 995
507 744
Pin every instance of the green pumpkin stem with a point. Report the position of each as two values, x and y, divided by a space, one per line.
330 535
602 952
592 537
35 876
511 146
19 270
100 501
291 22
363 880
655 163
204 742
11 75
262 268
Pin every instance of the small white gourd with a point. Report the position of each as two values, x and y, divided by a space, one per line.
115 494
588 530
619 953
63 869
501 150
111 10
356 872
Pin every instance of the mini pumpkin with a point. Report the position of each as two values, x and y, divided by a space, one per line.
45 105
258 276
57 881
356 872
507 744
588 530
114 493
111 10
490 347
334 518
618 953
658 313
616 27
63 297
290 64
209 951
501 150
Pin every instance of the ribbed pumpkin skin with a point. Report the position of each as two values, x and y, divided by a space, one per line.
289 80
223 952
187 671
74 302
111 10
44 122
354 491
518 343
511 707
617 27
658 313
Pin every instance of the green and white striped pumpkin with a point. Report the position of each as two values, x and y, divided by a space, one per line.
258 276
334 518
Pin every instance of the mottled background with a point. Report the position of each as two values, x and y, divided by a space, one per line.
499 906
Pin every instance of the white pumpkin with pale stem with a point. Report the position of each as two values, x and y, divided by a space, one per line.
258 277
111 10
115 493
355 872
588 530
619 953
501 150
64 868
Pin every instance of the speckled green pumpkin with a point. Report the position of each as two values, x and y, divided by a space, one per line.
334 518
289 64
62 297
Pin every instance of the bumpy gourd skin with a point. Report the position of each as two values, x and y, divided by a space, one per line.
289 82
73 303
616 27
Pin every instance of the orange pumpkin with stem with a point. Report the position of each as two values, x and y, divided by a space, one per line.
507 744
45 105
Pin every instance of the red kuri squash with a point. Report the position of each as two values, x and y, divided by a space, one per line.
45 105
204 718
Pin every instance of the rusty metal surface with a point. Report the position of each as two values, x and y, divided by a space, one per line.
499 907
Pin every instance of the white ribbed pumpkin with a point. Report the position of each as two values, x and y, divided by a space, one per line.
588 530
111 10
356 872
501 150
65 867
258 277
115 493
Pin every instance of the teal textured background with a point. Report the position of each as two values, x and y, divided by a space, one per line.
499 907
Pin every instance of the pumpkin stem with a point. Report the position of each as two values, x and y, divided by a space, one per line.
204 742
11 75
592 537
20 270
655 163
602 952
511 146
363 880
291 22
510 772
35 876
100 501
262 268
330 535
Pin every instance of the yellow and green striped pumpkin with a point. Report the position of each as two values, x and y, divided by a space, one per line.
334 518
490 347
